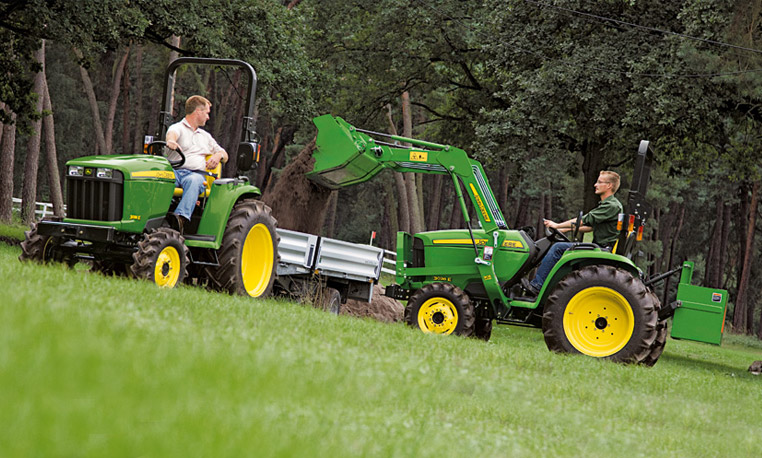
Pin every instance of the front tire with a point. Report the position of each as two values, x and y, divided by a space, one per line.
249 252
601 311
441 308
161 258
43 248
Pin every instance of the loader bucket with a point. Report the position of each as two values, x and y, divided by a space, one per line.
342 156
700 315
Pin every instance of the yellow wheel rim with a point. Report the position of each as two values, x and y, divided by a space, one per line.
257 259
598 321
438 315
167 270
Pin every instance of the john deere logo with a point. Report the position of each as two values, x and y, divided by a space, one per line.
88 172
716 297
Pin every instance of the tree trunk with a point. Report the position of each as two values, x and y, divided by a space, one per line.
726 215
712 257
389 236
740 314
173 55
126 111
435 203
140 129
456 216
54 177
32 162
94 110
399 181
673 245
7 157
116 83
591 168
416 221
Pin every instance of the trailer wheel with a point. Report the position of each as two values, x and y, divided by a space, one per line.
43 248
249 252
657 348
601 311
441 308
162 258
483 329
330 300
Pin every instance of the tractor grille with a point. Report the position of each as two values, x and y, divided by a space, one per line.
94 199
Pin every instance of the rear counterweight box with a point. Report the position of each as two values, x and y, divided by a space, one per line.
701 313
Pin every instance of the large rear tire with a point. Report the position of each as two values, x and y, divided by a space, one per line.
441 308
657 348
601 311
249 252
161 258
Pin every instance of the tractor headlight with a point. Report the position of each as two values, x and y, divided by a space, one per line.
104 173
76 170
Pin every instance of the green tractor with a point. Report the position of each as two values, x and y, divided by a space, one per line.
118 214
594 301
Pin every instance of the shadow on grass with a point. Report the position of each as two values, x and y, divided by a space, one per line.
711 366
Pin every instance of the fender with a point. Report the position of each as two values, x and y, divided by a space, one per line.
574 259
224 195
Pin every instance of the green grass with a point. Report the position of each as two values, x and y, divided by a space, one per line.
100 367
13 231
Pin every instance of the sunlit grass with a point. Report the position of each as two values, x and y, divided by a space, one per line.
96 366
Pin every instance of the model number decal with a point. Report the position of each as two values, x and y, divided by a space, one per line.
438 278
513 244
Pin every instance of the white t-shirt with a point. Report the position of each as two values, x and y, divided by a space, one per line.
195 145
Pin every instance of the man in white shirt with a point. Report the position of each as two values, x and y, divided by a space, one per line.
196 144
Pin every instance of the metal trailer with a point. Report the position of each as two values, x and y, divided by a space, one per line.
328 270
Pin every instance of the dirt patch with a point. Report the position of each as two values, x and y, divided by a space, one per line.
298 203
380 308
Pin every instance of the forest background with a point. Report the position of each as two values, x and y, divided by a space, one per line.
544 94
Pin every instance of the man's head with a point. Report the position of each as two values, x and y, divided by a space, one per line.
197 110
607 184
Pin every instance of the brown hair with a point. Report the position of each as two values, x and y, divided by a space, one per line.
194 102
611 177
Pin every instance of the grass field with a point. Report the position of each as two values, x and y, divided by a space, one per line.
102 367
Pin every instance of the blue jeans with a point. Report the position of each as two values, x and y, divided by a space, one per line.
192 184
551 258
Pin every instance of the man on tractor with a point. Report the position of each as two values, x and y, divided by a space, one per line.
602 220
201 152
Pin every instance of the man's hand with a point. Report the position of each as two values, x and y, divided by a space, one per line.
549 223
171 144
213 161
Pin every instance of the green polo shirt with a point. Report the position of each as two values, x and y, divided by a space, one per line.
603 219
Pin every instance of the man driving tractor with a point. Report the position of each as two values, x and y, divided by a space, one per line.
602 220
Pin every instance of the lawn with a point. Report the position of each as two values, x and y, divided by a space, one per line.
92 366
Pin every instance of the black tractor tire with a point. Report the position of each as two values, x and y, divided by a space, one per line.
441 308
483 329
601 311
249 253
330 300
161 258
657 348
42 248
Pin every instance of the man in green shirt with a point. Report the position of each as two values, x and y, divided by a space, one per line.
602 220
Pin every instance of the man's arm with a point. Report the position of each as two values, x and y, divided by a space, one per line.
171 140
218 154
566 225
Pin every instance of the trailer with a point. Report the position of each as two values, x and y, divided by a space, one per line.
326 270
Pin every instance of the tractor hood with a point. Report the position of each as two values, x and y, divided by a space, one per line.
140 166
511 240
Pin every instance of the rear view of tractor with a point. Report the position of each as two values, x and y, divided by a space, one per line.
119 214
594 301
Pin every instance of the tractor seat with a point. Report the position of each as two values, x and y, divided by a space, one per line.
212 174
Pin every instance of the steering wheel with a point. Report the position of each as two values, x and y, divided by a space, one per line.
557 235
575 228
159 143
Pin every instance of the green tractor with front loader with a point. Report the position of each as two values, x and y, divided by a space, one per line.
595 302
119 214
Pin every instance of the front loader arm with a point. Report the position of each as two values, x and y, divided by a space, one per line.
346 155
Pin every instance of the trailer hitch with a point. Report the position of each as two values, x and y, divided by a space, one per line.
663 276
